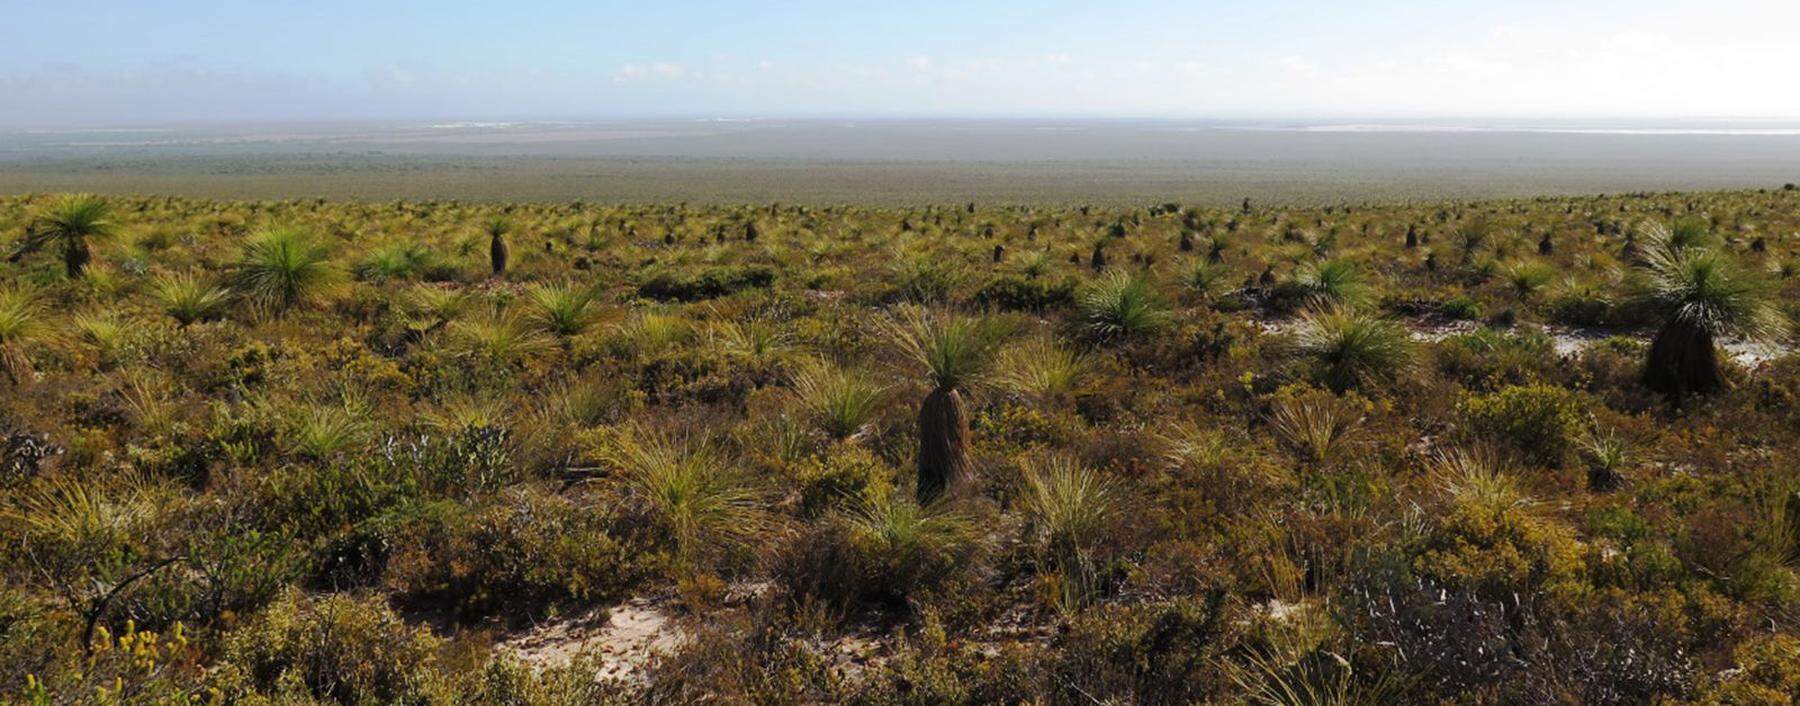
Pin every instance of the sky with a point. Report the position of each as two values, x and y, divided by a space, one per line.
135 63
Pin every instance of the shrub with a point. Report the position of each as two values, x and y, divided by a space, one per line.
1041 370
1488 358
845 475
885 551
925 279
519 554
1461 307
1541 423
401 260
1325 284
561 309
1161 652
1014 293
841 402
1320 428
19 324
340 647
707 284
1486 539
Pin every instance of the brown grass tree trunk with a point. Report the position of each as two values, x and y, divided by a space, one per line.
497 255
1683 360
943 443
75 257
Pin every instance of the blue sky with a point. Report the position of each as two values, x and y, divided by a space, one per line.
122 62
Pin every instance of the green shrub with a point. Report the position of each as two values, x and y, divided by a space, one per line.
1541 423
841 477
1461 307
879 554
706 284
1015 293
521 553
343 648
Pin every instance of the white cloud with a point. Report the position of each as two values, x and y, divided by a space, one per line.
653 71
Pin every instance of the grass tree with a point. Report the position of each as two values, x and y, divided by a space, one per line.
561 309
1119 305
1352 348
692 490
842 402
1038 369
19 325
282 268
952 352
1703 295
496 229
187 299
1332 282
68 224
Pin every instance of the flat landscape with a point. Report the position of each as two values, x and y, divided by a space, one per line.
900 162
320 451
936 353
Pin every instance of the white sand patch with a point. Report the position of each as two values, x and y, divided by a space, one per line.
624 638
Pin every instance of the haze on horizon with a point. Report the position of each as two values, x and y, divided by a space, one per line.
68 63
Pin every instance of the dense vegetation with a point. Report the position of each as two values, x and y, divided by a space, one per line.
1532 451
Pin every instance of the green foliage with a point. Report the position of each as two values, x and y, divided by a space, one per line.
1040 369
1541 423
1705 289
561 309
523 552
1014 293
19 312
69 223
953 351
1119 306
706 284
1352 349
423 484
841 402
188 299
282 268
1328 283
340 648
691 489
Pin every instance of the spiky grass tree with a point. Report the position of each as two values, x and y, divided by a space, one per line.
187 299
1040 370
1352 348
1703 296
282 268
1333 282
691 489
1070 507
1527 278
19 326
843 402
68 224
496 229
952 352
561 309
1120 305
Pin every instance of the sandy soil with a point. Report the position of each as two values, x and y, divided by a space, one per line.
624 638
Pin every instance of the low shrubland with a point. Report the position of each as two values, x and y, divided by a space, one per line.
1529 451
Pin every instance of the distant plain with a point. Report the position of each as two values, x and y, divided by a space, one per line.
890 162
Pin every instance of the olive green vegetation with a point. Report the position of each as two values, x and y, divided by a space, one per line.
315 452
